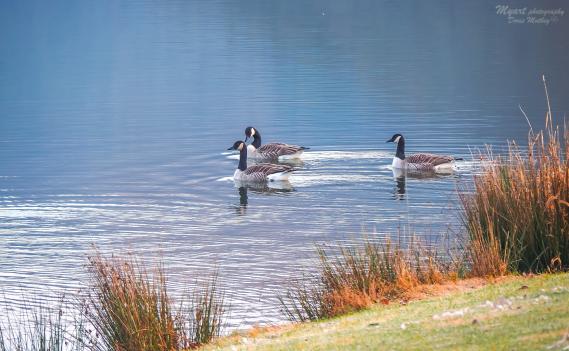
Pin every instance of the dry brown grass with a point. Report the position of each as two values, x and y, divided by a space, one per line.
352 278
517 217
489 258
130 309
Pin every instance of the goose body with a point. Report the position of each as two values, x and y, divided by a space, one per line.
271 151
421 162
260 172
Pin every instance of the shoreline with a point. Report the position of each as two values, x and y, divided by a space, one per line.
455 313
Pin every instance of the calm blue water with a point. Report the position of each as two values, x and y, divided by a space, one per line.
115 117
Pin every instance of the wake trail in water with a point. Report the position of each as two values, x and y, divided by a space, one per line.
225 179
331 155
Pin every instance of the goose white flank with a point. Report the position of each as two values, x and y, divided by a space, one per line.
260 172
419 162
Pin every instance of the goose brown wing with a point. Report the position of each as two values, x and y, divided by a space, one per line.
274 150
432 159
266 169
421 167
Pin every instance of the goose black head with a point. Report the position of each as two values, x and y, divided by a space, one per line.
395 138
238 145
400 141
242 148
249 132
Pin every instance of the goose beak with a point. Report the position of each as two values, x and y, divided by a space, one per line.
246 138
231 148
389 141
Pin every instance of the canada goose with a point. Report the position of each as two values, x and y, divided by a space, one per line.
419 162
271 151
260 172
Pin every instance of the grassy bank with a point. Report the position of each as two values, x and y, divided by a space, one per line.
514 313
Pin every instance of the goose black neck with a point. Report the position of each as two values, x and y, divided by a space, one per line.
243 158
256 140
400 149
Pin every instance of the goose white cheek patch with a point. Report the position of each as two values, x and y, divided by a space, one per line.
397 139
252 131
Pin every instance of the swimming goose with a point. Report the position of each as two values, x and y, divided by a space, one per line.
419 162
260 172
272 151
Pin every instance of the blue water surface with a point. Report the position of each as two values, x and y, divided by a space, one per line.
115 117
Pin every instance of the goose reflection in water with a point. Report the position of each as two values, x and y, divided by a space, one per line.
294 162
269 188
400 176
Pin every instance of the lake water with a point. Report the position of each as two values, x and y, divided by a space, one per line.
115 117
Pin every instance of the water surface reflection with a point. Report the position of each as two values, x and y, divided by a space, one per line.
113 116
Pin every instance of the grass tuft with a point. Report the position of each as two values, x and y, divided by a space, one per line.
518 216
37 329
130 309
205 318
351 278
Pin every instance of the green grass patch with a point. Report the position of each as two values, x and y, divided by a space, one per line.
519 313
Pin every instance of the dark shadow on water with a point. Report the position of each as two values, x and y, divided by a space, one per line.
269 188
399 193
400 176
243 198
294 162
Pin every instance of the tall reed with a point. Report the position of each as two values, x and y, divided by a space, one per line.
130 309
38 329
517 218
350 278
205 315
